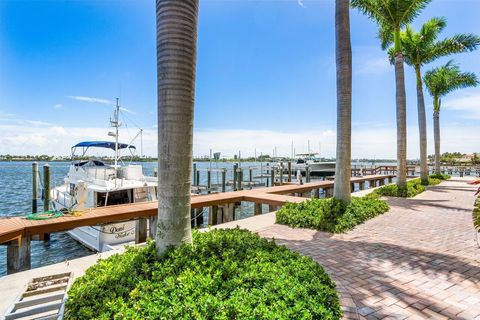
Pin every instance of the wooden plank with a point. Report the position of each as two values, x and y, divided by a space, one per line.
16 227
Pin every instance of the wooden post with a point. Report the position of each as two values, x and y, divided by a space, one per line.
373 183
258 209
307 173
224 178
272 208
46 194
272 176
213 215
235 166
281 173
317 193
141 230
34 187
352 186
46 187
18 255
361 185
240 179
250 174
198 177
152 230
195 174
209 181
328 192
390 179
289 166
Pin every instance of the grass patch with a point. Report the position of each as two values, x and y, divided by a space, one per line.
413 188
330 214
226 274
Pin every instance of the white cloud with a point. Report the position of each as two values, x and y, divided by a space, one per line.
466 102
127 110
301 4
370 60
101 101
58 106
90 99
367 141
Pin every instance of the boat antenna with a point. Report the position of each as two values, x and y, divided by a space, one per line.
116 124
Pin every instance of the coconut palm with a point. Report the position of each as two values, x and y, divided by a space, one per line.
343 52
391 16
420 48
439 82
176 60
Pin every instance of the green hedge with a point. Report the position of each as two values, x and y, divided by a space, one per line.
329 214
413 188
226 274
476 214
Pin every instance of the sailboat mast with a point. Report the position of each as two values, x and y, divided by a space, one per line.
116 124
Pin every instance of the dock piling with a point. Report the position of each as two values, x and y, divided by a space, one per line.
195 182
34 187
209 181
272 176
289 166
18 255
46 187
281 173
307 173
258 209
224 178
141 230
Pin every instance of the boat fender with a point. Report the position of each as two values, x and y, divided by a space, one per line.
81 193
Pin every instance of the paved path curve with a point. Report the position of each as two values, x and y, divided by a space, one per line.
419 260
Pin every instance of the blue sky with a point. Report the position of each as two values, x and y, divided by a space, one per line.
265 77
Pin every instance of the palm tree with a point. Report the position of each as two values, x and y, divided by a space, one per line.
441 81
176 60
343 52
391 16
421 48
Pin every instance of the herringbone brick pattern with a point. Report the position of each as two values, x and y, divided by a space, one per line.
420 260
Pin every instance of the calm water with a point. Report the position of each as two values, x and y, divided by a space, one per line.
15 200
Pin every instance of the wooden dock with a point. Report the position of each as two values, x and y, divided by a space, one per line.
17 232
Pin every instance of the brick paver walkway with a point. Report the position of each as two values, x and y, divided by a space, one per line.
420 260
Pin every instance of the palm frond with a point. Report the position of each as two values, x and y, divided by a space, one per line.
457 44
445 79
408 10
432 28
385 34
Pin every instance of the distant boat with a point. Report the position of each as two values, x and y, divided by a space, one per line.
93 183
316 168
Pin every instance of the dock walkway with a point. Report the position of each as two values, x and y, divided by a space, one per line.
15 228
419 260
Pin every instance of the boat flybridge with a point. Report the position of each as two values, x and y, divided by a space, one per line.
93 183
315 166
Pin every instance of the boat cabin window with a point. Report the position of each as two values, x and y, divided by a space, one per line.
114 197
300 161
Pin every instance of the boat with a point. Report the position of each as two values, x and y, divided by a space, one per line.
93 183
316 167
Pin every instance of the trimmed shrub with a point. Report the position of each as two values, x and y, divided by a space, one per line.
413 188
440 176
476 214
330 214
225 274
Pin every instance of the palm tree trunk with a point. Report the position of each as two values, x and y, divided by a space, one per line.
422 128
343 52
436 136
401 122
176 61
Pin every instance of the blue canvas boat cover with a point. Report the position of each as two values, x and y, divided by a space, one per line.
102 144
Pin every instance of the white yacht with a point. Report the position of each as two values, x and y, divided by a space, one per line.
315 166
93 183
